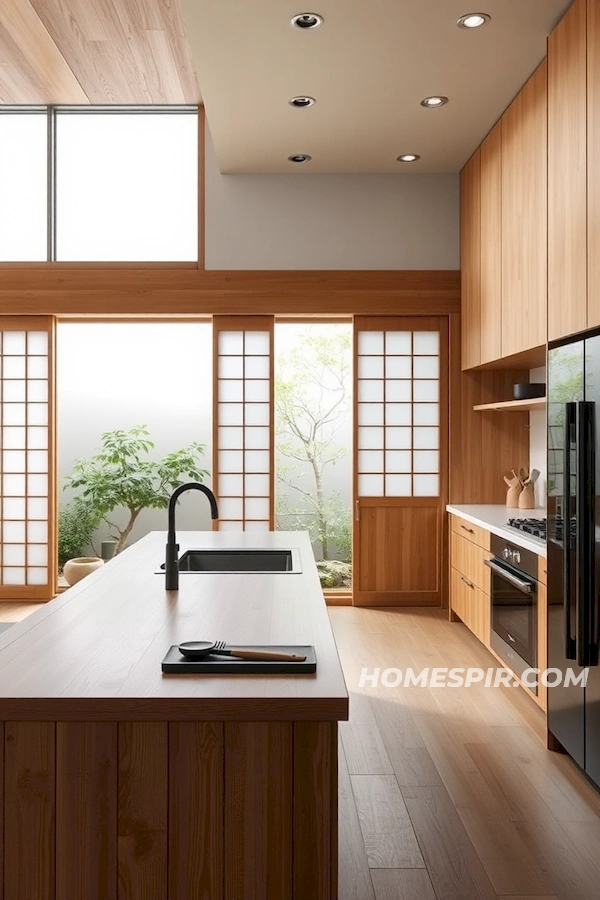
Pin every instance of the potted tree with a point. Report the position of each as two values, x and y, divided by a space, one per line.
120 475
77 522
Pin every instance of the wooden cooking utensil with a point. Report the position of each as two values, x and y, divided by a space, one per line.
198 650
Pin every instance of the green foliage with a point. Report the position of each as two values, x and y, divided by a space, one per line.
334 574
305 517
121 475
77 522
312 405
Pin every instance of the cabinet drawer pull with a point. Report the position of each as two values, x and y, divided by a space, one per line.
470 530
467 582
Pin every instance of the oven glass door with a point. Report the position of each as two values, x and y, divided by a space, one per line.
514 610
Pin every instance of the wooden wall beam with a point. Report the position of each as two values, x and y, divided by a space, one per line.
91 290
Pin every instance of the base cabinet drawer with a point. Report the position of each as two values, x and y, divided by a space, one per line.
469 559
473 533
471 605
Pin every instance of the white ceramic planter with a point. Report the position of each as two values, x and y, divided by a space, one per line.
76 569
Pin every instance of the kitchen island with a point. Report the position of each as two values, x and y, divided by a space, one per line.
120 782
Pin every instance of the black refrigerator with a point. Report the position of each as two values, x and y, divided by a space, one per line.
573 388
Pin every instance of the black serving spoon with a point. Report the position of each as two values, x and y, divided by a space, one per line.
199 650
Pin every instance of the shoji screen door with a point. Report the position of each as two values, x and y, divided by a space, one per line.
27 459
400 459
243 463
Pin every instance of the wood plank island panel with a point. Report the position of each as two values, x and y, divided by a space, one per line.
143 790
29 810
258 810
92 289
86 809
249 811
196 810
236 799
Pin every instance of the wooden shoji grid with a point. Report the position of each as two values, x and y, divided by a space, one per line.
27 459
397 409
243 454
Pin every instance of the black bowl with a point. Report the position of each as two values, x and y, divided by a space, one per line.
529 391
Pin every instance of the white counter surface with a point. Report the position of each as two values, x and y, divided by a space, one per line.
494 517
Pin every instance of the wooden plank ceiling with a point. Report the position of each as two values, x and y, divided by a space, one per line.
95 51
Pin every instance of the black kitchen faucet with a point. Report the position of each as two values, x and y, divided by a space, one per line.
172 555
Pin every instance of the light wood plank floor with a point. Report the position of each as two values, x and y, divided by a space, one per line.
11 611
449 793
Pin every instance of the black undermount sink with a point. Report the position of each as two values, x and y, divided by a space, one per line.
238 560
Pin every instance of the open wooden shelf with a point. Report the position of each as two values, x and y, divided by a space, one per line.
516 405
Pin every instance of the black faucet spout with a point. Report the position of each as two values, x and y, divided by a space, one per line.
172 552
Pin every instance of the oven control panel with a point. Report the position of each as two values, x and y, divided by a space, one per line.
524 560
511 556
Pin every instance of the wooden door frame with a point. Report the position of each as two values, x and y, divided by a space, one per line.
243 323
411 323
27 592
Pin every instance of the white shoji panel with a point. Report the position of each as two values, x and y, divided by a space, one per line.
398 414
24 457
243 429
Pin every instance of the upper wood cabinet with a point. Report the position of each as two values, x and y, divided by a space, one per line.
470 247
491 246
504 233
567 175
524 217
593 161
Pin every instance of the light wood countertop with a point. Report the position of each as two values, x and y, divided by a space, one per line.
94 652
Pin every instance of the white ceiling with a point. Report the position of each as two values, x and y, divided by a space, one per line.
368 66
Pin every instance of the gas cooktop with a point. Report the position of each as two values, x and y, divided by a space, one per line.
536 527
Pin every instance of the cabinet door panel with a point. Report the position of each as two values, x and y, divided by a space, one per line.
470 532
468 559
470 262
524 225
491 246
593 167
567 175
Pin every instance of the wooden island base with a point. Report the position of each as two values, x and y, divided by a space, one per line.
169 811
118 782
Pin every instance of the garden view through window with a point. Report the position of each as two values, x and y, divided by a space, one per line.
125 432
313 441
158 419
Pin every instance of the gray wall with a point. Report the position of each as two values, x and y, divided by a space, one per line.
118 375
304 221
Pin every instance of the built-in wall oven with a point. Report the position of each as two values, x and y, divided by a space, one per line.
514 605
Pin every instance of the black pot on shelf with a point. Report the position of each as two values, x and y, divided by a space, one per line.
529 391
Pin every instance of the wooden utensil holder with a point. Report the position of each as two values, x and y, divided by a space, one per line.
513 497
527 497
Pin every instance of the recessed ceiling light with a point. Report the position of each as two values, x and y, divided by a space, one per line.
473 20
302 102
299 158
408 157
307 20
434 102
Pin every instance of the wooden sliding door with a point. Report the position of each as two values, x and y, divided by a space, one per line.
243 468
400 459
28 565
